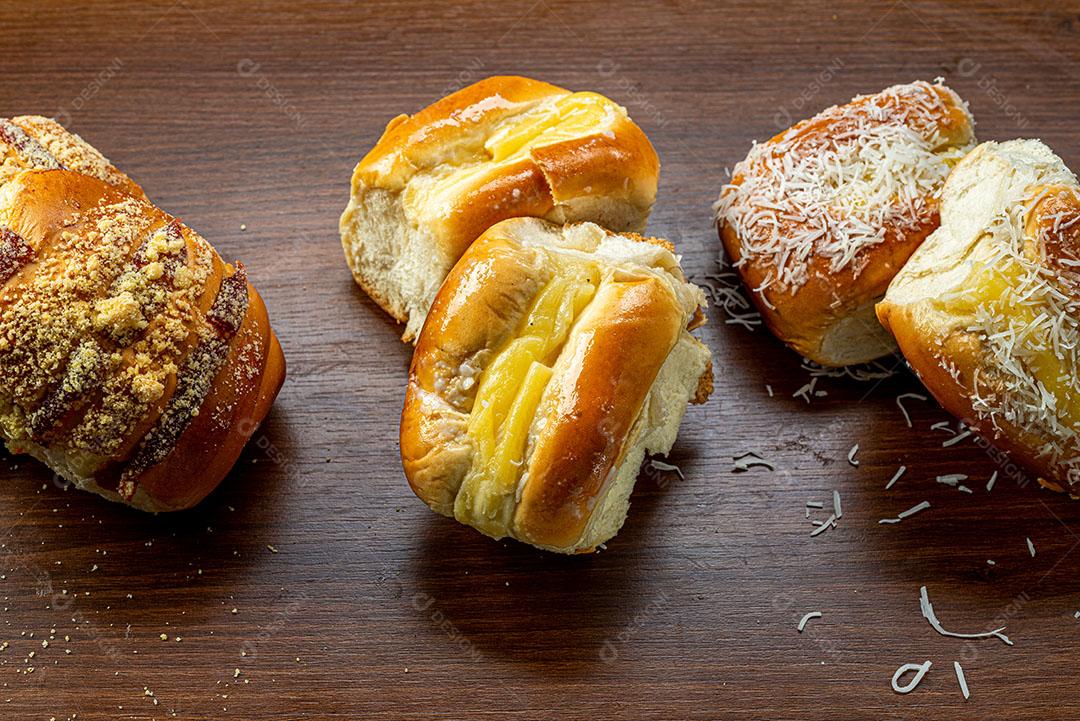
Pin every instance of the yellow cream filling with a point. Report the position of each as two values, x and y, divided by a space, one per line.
509 393
572 116
999 291
569 117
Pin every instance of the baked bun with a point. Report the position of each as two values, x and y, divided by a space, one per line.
31 142
820 218
554 358
987 311
133 361
504 147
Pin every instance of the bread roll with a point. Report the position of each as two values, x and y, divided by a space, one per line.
501 148
820 218
553 360
987 311
31 142
133 361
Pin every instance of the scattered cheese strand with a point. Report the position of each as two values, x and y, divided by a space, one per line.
920 670
807 617
960 678
900 402
928 614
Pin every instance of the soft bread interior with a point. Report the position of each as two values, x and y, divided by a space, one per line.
418 200
990 330
653 433
857 337
396 262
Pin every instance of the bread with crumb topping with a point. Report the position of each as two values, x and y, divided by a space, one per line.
554 358
820 218
133 361
987 310
501 148
31 142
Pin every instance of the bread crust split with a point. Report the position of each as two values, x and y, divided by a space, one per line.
987 311
820 218
553 359
501 148
133 360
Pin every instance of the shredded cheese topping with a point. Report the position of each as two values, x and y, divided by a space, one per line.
1022 304
832 187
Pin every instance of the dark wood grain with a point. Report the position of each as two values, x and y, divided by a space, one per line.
371 606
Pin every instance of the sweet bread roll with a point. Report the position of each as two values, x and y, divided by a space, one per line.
987 311
820 218
504 147
133 361
31 142
554 358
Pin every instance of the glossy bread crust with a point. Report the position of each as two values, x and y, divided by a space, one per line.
135 362
949 346
827 314
601 379
606 173
32 142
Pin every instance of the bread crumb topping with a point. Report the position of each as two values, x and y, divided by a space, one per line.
110 328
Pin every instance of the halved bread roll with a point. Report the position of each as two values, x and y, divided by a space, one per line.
554 358
820 218
987 311
504 147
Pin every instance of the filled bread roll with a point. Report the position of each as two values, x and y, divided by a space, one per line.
133 361
554 358
987 311
820 218
31 142
504 147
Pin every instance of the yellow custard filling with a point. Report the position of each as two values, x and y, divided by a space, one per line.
573 116
509 392
1001 294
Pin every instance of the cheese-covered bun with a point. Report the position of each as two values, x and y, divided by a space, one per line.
820 218
504 147
987 311
554 358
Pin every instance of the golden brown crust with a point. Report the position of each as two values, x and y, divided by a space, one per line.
618 352
449 187
32 142
600 378
801 318
485 296
134 360
449 128
985 313
802 291
243 392
947 370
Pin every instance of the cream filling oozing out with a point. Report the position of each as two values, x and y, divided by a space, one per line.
509 392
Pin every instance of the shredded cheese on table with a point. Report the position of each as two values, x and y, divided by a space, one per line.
920 670
961 680
900 402
928 613
807 617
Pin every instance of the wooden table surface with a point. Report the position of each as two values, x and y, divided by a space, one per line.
313 585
